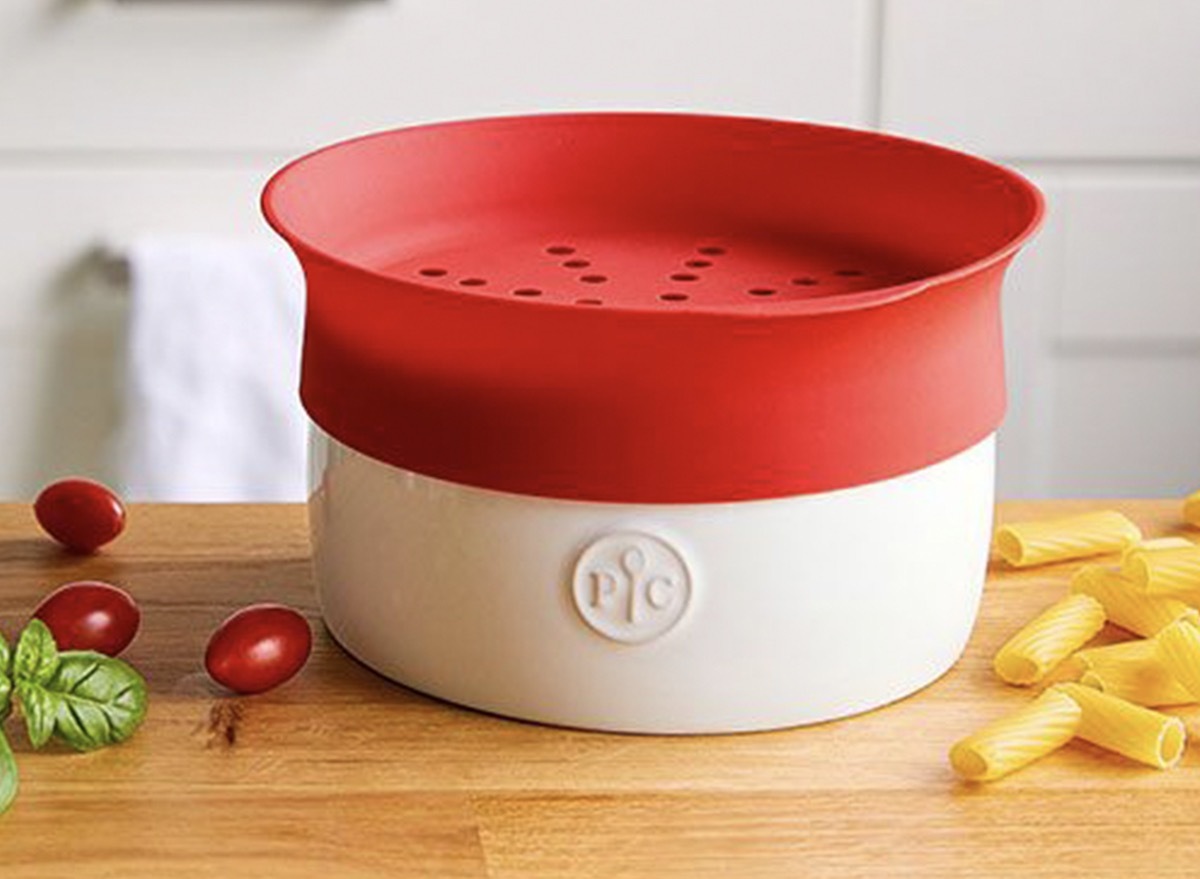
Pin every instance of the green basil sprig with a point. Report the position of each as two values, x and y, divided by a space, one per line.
84 698
8 775
87 699
5 681
8 765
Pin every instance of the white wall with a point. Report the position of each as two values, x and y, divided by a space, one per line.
166 115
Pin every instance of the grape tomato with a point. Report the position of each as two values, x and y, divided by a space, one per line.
258 648
81 514
90 615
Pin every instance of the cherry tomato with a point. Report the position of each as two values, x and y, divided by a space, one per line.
90 615
258 648
80 514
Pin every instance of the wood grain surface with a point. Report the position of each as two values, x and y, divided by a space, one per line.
342 774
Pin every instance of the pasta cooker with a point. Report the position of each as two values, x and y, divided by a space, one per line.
652 422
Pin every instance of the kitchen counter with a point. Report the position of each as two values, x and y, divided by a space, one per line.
341 774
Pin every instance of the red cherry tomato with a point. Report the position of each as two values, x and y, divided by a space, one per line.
80 514
90 615
258 648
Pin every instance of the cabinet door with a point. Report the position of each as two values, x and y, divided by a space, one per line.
290 74
62 327
1045 78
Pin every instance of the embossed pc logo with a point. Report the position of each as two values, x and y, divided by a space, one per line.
631 587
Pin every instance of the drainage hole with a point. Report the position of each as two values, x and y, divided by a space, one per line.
560 249
673 297
849 273
527 291
473 282
684 276
710 250
761 291
576 264
432 272
589 302
698 263
593 279
804 282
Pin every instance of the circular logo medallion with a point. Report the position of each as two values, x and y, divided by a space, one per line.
631 587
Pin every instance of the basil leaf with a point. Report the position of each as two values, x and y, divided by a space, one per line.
5 681
36 656
8 775
98 700
38 708
33 663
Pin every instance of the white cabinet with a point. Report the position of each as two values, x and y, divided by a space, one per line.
1131 258
62 317
54 218
1125 426
1103 331
1100 101
289 74
1045 78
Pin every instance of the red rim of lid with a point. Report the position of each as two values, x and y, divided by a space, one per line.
779 397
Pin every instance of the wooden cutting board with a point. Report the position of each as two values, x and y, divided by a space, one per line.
342 774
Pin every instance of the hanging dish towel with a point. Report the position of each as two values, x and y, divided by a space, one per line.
211 409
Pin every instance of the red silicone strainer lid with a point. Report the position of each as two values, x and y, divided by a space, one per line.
652 307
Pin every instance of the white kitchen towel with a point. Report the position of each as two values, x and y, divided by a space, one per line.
212 411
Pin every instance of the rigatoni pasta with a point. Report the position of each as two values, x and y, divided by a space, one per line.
1191 509
1124 605
1023 544
1134 671
1157 543
1016 740
1146 683
1172 572
1151 593
1179 651
1049 638
1139 733
1122 651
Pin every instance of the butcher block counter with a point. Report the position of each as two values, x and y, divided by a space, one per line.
340 773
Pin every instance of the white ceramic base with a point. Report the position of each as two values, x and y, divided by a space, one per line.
684 618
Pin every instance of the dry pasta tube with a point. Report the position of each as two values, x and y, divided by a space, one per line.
1138 733
1191 509
1023 544
1017 739
1123 651
1132 670
1174 572
1148 684
1049 638
1179 651
1124 605
1157 543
